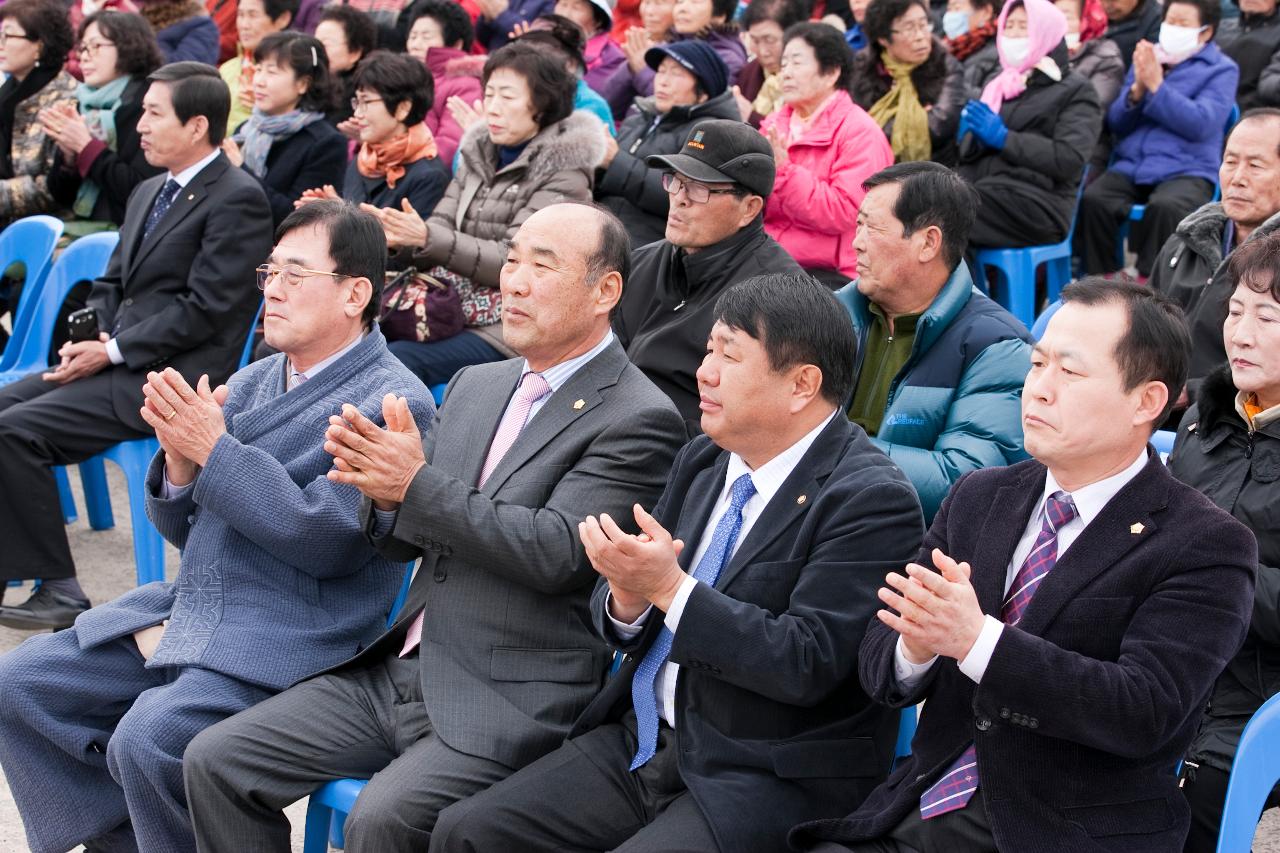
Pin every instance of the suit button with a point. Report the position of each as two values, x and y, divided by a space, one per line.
982 724
439 576
128 302
191 519
1004 713
418 540
1033 723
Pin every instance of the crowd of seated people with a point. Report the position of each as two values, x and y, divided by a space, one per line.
726 401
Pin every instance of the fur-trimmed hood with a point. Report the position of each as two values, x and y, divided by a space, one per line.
1202 229
576 142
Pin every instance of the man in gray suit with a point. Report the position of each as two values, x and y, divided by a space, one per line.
493 657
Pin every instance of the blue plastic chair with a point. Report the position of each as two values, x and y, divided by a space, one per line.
1016 268
1140 210
1162 440
906 731
437 393
1042 322
1253 774
31 242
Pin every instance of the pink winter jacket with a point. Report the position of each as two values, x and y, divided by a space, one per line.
454 73
814 205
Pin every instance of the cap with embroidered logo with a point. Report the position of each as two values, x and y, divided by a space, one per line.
720 151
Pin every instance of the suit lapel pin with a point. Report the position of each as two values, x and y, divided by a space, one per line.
800 500
191 197
1136 528
578 404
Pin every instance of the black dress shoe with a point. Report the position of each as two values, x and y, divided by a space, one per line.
45 610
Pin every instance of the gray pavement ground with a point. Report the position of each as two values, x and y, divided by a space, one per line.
106 568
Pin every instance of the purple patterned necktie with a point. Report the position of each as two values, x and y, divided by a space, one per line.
955 787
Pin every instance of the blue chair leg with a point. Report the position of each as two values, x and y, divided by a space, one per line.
316 833
97 500
148 544
337 822
1122 235
65 497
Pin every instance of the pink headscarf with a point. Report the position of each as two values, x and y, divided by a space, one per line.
1046 27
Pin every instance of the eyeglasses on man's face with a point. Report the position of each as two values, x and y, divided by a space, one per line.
291 274
697 193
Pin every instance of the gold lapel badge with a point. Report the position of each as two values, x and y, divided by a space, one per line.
800 500
578 404
1136 528
191 197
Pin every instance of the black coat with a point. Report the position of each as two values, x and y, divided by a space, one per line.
1142 23
1252 43
307 160
1240 472
774 728
1053 128
1085 707
939 83
633 190
668 306
116 172
423 183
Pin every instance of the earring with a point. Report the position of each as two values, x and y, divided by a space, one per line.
37 63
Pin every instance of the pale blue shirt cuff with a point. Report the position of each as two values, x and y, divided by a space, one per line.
168 491
908 673
625 630
631 630
678 601
113 352
384 521
975 663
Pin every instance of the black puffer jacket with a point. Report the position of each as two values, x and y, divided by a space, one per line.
668 306
939 83
1053 127
1238 470
634 191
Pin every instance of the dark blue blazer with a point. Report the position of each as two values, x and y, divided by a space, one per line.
1088 705
774 727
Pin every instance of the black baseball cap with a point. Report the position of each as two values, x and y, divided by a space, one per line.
723 150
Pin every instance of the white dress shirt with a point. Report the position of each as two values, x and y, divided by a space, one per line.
768 478
181 179
1089 501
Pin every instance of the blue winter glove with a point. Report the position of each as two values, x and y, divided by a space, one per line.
985 124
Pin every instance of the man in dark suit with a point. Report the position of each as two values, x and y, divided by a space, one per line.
178 292
1084 603
493 656
738 708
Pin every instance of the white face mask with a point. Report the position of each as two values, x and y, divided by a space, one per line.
1073 40
1179 42
1015 50
955 24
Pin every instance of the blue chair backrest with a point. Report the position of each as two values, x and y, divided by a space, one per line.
83 260
246 355
1253 774
1042 322
28 241
1162 440
906 731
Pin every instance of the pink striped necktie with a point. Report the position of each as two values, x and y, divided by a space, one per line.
956 786
532 388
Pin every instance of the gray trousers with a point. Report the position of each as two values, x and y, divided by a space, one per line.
583 797
367 722
90 739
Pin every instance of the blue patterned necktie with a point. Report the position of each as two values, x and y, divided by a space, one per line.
164 200
708 569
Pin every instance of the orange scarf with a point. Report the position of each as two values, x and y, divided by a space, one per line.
389 158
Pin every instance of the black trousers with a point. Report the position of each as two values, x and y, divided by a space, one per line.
1206 792
583 797
1105 206
965 830
41 425
1011 216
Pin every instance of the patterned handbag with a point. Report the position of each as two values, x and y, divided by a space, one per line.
481 306
419 307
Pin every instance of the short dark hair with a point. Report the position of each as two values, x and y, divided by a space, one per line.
784 13
358 28
196 89
1157 345
305 56
612 251
798 321
725 9
931 194
551 86
1209 10
455 23
829 48
357 243
1256 265
397 78
137 53
1261 114
44 21
561 35
276 8
880 15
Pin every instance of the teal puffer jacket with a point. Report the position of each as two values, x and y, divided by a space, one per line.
956 404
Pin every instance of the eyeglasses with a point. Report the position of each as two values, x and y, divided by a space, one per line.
919 28
764 41
696 192
92 48
292 274
359 105
4 37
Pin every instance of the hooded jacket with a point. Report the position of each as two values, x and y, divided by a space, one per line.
1178 131
955 406
818 190
484 206
939 83
633 190
668 306
453 72
1192 270
1238 468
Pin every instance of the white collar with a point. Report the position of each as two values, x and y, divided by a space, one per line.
770 476
184 177
1091 499
557 375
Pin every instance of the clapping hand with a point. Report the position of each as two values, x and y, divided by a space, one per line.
403 227
232 150
637 44
463 113
641 569
381 463
65 126
328 191
745 107
188 421
778 143
491 9
1147 73
937 612
985 124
